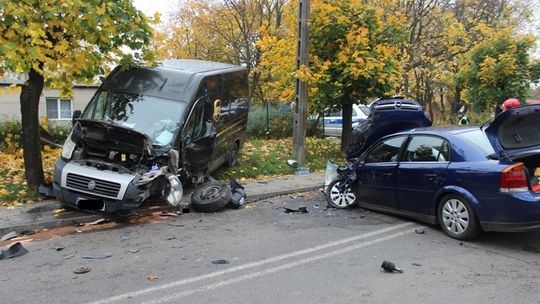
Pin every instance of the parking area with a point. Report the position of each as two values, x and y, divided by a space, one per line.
273 251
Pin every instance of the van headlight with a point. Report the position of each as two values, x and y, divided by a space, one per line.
68 148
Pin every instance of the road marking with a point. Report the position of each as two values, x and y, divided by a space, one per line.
271 270
252 264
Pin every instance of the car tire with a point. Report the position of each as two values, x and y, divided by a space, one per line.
211 197
232 161
341 199
457 218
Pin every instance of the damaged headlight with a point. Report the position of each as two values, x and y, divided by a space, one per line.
68 148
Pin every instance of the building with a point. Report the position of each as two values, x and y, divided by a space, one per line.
51 104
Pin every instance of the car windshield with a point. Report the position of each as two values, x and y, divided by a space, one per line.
159 118
480 140
364 109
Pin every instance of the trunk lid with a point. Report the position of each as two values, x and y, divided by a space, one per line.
515 133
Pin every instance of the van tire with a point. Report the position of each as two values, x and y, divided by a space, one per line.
232 161
211 197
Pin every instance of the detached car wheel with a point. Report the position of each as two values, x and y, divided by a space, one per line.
340 195
211 197
457 218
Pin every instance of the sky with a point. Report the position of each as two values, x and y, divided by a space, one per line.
149 7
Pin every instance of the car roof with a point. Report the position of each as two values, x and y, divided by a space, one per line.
442 129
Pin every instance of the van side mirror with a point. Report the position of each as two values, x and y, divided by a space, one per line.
76 115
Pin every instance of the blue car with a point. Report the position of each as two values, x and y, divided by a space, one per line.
467 179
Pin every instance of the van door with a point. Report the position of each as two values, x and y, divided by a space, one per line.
219 109
199 138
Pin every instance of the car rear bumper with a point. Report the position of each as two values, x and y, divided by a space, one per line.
512 212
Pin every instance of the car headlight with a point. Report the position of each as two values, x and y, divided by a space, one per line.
68 148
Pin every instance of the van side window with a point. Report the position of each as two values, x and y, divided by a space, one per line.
195 126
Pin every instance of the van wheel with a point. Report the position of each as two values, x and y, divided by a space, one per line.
211 197
233 156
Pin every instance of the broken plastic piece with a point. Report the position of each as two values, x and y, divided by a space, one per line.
14 251
81 270
96 255
220 262
8 236
390 267
58 247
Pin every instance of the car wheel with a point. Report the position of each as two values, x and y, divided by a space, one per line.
457 218
211 197
339 195
233 156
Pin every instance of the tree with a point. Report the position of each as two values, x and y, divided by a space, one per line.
354 48
499 68
58 42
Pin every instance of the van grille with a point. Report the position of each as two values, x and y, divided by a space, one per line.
98 187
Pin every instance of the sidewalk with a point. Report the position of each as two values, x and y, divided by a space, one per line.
37 216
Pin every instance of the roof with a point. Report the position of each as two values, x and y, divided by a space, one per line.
198 66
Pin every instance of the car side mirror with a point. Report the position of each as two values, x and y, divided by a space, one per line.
76 115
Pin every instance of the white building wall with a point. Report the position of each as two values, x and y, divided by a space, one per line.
10 108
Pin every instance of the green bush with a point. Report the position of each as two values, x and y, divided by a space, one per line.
277 123
11 132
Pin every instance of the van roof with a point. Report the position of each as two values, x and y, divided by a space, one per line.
199 66
177 79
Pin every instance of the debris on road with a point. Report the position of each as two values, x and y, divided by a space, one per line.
68 256
58 247
96 222
14 251
81 270
211 196
417 264
220 262
8 236
390 267
301 209
166 214
152 278
419 231
177 246
170 238
97 255
134 250
238 197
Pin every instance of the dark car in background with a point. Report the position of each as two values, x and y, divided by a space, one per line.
465 178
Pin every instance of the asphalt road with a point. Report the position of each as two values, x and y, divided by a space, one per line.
270 256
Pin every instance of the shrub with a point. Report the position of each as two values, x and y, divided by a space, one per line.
11 132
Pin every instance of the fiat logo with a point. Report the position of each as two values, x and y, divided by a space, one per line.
91 185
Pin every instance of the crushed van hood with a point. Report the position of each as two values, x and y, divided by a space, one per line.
111 136
514 133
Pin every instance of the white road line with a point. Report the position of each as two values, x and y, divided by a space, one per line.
271 270
251 265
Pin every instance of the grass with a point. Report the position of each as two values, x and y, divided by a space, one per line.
259 159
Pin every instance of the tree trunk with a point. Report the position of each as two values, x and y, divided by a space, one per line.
346 128
30 93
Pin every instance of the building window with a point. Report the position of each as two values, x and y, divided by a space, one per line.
58 108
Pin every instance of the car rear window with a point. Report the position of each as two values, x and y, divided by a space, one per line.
479 139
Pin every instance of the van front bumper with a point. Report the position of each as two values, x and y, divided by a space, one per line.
78 185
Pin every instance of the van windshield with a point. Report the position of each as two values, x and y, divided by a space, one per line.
159 118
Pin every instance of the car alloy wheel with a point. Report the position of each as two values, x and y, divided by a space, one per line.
457 219
340 195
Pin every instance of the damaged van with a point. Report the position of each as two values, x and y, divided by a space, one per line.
149 130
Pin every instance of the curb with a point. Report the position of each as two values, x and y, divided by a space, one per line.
87 218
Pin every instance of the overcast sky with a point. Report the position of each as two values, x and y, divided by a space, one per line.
149 7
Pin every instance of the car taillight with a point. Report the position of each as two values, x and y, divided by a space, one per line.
514 179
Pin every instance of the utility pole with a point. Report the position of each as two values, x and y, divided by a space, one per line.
300 98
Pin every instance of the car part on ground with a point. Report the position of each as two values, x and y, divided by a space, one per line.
238 197
211 196
14 251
